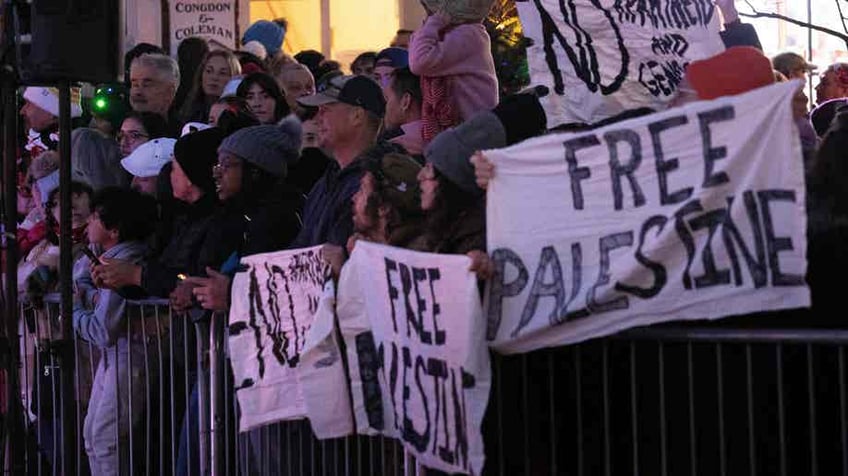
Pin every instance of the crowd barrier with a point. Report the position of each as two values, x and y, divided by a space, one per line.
699 400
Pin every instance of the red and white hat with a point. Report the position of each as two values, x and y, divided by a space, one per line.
48 99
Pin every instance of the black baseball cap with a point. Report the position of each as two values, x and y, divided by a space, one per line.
359 91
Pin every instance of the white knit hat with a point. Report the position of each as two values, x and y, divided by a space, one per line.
48 99
149 158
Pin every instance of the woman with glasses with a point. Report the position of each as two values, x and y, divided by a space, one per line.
138 128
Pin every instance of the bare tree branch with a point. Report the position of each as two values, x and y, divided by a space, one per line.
758 14
841 16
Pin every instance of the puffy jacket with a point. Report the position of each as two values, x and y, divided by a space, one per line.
192 247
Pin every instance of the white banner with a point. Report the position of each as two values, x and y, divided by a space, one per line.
280 341
415 337
696 212
601 57
212 20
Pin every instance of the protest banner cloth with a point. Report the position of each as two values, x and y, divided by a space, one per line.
602 57
280 341
419 366
696 212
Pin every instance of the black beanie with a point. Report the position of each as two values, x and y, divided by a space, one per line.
197 153
522 117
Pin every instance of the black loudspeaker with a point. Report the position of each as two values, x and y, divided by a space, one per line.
73 40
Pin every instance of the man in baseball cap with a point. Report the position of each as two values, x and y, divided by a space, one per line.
792 65
350 114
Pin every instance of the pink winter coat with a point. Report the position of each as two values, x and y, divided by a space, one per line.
464 54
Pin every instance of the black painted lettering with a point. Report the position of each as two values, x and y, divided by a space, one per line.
712 154
563 314
411 317
619 169
665 166
434 275
577 173
686 236
547 261
607 244
657 269
776 244
733 239
391 266
712 276
499 289
370 363
419 441
419 275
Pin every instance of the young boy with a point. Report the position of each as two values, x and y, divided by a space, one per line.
119 223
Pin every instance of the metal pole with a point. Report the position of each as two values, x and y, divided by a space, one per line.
216 415
326 31
203 393
810 49
14 428
66 354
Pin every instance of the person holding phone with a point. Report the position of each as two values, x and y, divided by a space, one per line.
119 223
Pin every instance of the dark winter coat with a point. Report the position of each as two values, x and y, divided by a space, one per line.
192 247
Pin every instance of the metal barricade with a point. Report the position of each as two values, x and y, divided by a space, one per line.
130 398
662 400
290 447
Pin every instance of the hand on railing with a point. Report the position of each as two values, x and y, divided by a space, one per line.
181 296
115 273
212 293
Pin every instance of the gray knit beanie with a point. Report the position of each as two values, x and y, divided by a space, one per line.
271 148
450 152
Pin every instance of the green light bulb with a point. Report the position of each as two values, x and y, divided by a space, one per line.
100 103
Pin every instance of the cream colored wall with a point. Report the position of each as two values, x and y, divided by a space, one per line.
304 18
356 25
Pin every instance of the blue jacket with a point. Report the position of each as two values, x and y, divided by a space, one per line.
103 323
328 213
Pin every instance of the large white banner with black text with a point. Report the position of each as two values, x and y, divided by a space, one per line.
695 212
419 365
601 57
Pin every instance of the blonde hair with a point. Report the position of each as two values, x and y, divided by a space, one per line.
196 93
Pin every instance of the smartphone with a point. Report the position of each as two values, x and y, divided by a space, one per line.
91 256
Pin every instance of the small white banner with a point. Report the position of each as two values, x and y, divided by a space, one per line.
281 342
694 213
419 366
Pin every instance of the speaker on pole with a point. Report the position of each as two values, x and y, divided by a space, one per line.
72 40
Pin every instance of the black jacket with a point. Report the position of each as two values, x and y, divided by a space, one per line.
191 248
267 224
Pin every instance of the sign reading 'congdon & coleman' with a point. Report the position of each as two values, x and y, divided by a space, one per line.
209 19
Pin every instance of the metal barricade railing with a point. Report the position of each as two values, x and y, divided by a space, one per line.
130 398
661 400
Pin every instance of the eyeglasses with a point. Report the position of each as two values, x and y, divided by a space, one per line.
131 135
225 165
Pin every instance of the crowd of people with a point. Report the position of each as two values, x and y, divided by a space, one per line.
220 154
